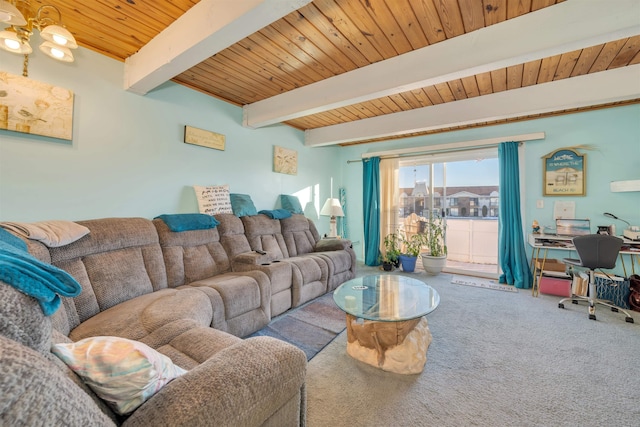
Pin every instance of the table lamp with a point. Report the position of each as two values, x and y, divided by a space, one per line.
332 209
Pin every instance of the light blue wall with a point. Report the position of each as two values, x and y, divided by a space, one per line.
127 157
613 133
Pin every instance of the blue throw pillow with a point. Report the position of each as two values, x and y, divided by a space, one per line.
189 221
242 205
277 213
291 203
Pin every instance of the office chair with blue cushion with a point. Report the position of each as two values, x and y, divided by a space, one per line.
595 251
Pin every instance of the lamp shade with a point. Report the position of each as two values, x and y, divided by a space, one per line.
10 14
332 208
60 53
10 42
59 35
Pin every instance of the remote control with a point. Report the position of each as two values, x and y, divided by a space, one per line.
261 252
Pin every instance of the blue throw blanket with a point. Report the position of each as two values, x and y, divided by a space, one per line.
276 213
189 221
33 277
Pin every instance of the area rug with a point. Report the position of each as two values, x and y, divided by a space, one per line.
310 327
482 283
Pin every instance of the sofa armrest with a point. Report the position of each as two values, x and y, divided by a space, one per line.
333 245
252 258
244 384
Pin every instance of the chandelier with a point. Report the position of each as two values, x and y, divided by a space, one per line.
58 41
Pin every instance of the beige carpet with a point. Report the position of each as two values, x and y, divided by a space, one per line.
497 359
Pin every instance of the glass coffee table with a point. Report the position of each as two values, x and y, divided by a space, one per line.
386 323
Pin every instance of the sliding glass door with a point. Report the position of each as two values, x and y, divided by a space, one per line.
463 187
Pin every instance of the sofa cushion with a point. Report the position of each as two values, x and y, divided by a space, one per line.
242 205
123 372
34 392
138 317
213 199
291 203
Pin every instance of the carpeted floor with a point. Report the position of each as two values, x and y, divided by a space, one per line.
310 327
497 359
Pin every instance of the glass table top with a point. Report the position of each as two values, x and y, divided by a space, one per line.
386 298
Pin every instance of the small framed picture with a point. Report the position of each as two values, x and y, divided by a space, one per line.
285 160
564 173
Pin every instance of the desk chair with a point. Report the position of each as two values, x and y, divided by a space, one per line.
595 251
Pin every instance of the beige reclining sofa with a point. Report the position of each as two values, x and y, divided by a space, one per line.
190 295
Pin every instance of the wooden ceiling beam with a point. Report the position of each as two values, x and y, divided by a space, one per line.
551 31
204 30
587 90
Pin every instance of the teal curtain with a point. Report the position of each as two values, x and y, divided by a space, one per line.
371 209
342 221
511 252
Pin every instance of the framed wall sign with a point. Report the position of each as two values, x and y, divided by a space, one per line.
564 173
203 138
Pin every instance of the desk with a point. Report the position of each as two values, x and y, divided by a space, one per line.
544 242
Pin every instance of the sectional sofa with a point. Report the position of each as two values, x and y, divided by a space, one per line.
190 295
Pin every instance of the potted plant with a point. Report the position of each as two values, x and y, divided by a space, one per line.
433 238
409 256
389 258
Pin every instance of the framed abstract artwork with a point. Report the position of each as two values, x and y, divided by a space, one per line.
285 160
36 108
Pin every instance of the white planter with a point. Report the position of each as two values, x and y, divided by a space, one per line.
433 264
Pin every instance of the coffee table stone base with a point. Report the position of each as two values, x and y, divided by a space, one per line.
399 347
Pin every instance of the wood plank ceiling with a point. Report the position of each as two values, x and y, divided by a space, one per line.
327 38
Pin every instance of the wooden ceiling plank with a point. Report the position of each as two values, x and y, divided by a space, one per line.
449 13
434 95
343 23
206 28
429 20
326 27
244 88
540 4
408 22
484 83
517 8
499 80
457 89
472 14
514 76
570 26
470 86
388 23
530 72
587 58
566 65
627 53
608 53
311 33
287 45
582 91
298 39
259 68
548 69
283 56
279 67
360 17
445 92
495 11
422 97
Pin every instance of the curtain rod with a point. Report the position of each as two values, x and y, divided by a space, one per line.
451 147
426 153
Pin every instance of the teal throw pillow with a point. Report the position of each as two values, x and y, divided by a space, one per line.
291 203
242 205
